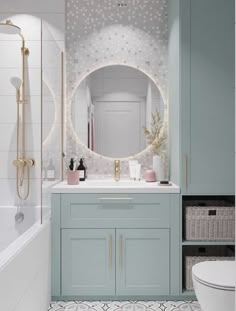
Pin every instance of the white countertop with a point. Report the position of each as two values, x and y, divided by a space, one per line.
111 186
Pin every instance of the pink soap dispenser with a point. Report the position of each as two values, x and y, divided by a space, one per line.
150 175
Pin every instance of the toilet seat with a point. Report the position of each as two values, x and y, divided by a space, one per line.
216 274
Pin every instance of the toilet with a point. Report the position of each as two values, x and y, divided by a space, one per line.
214 285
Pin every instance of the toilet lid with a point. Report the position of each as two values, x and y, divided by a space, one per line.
220 274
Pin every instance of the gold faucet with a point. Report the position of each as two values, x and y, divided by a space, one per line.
117 170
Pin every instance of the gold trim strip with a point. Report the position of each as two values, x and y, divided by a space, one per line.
62 112
41 94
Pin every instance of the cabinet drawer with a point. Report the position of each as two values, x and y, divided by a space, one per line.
115 211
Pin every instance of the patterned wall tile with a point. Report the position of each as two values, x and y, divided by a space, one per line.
121 32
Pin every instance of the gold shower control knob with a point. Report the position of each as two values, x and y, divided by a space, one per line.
29 162
19 163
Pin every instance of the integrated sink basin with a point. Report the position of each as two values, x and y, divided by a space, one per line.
112 186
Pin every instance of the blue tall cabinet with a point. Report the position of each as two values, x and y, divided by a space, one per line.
206 108
207 96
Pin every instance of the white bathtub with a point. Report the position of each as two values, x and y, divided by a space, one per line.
9 229
24 263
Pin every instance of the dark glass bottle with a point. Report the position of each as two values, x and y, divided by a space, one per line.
86 171
82 170
71 166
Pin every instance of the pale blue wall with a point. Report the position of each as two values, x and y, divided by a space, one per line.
174 106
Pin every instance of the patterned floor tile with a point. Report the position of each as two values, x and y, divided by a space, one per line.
124 306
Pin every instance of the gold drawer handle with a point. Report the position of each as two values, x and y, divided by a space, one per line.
116 200
116 203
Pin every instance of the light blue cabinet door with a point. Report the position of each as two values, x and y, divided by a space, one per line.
142 262
88 262
207 96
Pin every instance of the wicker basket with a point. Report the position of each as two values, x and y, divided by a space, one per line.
212 220
203 254
190 261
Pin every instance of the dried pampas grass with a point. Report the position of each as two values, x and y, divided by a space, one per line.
156 136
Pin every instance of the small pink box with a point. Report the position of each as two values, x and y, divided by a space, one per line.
73 177
150 175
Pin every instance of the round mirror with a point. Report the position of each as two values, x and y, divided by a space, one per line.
111 107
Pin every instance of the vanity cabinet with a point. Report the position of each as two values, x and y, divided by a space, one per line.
207 96
115 245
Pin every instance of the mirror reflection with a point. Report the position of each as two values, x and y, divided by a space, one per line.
111 107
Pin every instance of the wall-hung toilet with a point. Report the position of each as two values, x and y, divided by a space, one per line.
214 285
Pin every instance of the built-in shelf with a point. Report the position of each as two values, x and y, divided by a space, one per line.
193 243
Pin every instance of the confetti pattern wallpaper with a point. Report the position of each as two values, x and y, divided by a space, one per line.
114 32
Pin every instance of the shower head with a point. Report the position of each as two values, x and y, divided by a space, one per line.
16 82
9 28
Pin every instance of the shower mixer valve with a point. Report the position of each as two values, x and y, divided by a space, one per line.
20 163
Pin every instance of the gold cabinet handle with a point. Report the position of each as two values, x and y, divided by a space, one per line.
121 252
110 252
186 172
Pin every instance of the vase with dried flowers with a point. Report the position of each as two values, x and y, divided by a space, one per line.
156 138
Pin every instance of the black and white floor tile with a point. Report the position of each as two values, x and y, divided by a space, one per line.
124 306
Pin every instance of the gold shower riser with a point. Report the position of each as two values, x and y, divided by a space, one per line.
21 163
